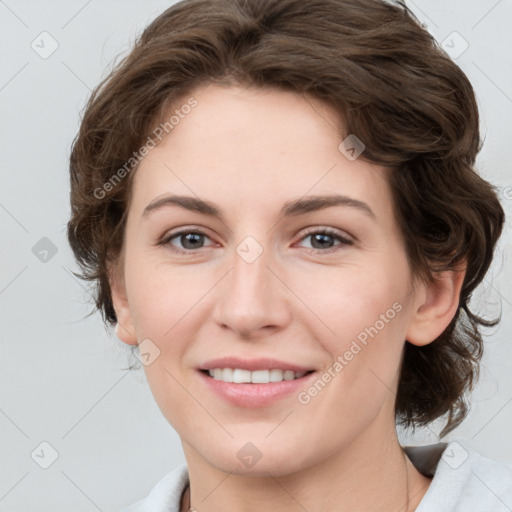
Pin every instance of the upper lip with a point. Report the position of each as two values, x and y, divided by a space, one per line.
262 363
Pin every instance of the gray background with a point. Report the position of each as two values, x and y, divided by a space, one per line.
62 380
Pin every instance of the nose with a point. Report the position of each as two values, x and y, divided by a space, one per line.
253 299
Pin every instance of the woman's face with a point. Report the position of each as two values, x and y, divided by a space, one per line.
263 280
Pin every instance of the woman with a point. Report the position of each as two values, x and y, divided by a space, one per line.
278 203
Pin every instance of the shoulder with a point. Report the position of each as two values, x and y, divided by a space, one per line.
166 495
463 479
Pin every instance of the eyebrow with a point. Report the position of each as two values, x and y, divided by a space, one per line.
290 209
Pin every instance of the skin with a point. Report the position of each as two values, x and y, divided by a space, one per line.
249 151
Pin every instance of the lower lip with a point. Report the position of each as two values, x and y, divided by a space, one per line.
255 395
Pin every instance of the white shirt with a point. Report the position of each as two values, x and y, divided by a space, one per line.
463 481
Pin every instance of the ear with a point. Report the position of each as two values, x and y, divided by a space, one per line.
125 330
436 305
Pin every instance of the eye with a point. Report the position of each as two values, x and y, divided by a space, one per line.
189 239
322 239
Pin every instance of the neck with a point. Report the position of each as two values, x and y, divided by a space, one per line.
380 478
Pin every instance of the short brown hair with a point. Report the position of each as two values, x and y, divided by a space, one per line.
394 88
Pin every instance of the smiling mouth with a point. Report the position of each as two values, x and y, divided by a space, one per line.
241 376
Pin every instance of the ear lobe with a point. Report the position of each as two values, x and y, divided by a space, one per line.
437 306
125 330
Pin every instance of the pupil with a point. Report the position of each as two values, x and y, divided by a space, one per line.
190 237
322 238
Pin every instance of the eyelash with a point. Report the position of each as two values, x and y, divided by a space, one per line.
311 231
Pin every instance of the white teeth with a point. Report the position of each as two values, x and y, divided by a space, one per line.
226 374
260 376
239 376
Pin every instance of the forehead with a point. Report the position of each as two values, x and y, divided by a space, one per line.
255 146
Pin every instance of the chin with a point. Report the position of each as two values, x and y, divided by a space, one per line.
255 458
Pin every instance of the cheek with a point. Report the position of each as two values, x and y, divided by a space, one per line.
166 305
362 319
161 295
350 299
365 353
